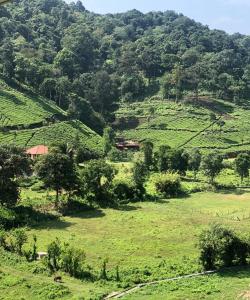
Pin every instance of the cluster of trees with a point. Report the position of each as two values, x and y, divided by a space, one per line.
96 181
221 247
85 61
180 161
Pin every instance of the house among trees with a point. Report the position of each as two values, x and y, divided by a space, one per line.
37 151
127 145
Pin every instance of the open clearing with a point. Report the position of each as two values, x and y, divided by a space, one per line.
152 241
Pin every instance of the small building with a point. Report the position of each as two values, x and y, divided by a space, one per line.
127 145
37 151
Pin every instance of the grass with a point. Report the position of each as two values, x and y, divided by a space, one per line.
230 285
178 124
147 240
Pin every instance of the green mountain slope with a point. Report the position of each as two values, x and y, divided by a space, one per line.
22 109
28 120
187 125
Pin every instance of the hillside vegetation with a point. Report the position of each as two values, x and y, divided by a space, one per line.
27 119
23 109
208 124
59 49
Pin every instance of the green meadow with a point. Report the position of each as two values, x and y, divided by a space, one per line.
147 240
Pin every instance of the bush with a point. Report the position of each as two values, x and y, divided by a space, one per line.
123 191
169 184
13 240
18 239
72 261
67 259
117 155
52 261
220 247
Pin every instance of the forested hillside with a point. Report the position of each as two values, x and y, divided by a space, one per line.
87 62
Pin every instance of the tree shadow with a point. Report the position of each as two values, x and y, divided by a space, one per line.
128 208
28 216
239 272
234 191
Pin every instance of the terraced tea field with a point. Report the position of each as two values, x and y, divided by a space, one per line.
18 108
25 120
186 125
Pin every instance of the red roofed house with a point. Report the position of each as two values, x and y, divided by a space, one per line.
36 151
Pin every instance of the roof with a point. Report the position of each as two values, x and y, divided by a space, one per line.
38 150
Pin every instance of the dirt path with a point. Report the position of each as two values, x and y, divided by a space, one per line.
117 295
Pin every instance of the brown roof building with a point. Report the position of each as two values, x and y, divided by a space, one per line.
36 151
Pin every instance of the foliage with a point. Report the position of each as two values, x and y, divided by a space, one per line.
220 246
194 161
57 170
148 154
60 49
212 165
72 261
242 165
162 158
14 163
96 180
108 140
169 185
63 257
178 161
13 240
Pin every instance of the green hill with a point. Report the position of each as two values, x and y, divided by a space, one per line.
187 124
28 120
22 109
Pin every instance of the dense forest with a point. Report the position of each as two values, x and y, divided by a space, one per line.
87 62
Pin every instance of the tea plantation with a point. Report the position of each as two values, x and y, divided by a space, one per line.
207 124
28 120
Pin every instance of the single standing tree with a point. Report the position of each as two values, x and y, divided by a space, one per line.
163 158
58 172
194 161
140 173
97 178
14 163
212 165
242 165
148 153
108 140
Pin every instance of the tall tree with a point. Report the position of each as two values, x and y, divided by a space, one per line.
14 163
242 165
58 172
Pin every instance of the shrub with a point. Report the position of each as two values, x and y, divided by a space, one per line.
67 259
19 238
169 184
52 261
117 155
123 191
220 247
72 261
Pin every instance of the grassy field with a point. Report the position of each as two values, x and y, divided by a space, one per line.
178 124
148 241
230 285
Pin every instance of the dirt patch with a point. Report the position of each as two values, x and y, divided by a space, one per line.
244 296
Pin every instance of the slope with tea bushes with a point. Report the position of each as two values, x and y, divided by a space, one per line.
187 124
28 119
